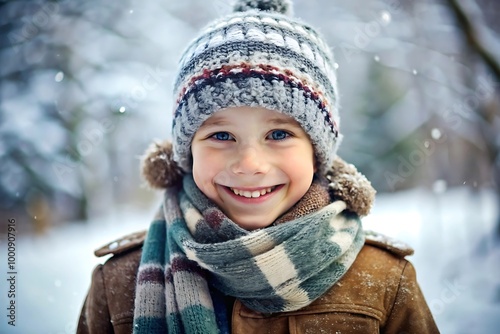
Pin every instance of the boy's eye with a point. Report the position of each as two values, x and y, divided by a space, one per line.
222 136
279 135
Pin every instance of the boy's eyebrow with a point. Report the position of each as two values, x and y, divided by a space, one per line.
283 121
214 121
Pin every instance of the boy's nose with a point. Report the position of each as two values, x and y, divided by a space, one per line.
249 160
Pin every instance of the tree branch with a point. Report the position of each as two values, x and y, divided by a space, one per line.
472 38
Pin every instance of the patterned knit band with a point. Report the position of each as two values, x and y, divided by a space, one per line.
258 58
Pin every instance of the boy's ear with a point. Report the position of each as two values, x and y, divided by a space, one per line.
315 163
158 167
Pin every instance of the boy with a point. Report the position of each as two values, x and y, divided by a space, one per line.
259 230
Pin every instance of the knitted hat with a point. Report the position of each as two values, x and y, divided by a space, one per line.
258 56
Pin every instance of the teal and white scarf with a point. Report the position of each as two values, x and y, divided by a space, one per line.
194 254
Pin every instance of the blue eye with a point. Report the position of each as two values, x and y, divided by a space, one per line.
223 136
279 134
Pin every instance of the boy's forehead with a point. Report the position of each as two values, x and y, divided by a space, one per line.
224 116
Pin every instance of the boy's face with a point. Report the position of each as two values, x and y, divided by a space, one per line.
254 163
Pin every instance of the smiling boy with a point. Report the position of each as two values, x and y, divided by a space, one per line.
254 163
259 230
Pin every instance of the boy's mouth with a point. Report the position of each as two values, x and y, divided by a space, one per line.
254 193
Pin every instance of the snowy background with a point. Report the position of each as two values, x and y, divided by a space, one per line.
85 87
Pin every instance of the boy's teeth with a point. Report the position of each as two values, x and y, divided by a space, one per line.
252 194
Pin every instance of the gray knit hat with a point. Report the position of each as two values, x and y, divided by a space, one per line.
258 56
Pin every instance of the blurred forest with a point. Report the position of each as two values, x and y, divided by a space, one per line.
85 86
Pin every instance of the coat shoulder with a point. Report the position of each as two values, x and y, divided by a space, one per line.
109 306
122 245
393 246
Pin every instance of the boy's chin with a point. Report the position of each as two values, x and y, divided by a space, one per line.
252 222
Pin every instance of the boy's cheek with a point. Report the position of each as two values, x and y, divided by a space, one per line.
206 166
206 159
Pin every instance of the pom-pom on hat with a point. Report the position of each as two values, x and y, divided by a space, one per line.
277 6
258 56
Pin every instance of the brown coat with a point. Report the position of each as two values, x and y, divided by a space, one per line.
378 294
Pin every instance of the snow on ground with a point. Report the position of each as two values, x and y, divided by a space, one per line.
457 263
54 272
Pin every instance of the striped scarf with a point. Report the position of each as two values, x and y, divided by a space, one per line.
194 254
